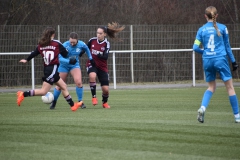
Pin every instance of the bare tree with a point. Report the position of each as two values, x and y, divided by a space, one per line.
93 12
236 10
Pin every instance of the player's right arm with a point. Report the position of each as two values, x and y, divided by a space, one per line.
227 45
31 56
63 56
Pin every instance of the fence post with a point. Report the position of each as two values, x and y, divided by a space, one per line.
131 45
193 68
59 32
114 71
33 76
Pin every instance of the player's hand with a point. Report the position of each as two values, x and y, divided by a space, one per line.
72 60
81 53
23 61
234 66
92 63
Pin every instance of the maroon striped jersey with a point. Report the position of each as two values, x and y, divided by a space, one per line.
96 47
49 53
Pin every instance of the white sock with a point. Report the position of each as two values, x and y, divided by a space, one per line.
236 115
203 108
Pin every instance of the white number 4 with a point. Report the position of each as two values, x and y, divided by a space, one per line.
211 43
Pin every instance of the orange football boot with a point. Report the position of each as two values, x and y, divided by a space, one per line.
20 97
94 101
76 106
105 105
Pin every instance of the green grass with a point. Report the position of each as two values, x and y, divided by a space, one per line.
141 124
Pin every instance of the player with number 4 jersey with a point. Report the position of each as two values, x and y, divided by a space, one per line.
216 48
214 45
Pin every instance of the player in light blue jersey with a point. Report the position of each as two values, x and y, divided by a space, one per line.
216 48
71 65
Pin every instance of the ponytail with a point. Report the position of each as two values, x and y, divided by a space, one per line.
112 29
211 13
215 24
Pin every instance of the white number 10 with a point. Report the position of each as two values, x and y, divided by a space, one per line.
48 56
211 43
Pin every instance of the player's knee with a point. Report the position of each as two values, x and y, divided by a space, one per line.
212 89
105 92
58 88
79 84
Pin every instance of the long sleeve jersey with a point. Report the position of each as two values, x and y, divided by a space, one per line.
74 51
213 45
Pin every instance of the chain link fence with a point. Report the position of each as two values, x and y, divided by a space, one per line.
148 67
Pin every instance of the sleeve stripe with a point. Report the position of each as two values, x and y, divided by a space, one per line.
197 42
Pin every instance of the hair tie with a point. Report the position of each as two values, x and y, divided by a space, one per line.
105 27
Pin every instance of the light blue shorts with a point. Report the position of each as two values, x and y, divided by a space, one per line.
220 65
67 68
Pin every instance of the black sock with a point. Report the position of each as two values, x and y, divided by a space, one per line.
29 93
69 100
93 88
105 98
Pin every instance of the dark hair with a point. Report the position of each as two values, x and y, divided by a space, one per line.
73 35
46 36
112 29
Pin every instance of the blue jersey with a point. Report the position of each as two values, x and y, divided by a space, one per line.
213 45
74 51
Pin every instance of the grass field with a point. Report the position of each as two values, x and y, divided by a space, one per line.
142 124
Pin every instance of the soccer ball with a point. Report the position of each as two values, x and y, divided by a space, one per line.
48 98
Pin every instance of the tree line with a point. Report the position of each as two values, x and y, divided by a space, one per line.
96 12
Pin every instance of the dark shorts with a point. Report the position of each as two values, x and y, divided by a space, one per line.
103 76
51 74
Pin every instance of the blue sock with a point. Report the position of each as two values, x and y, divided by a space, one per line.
206 98
234 103
56 94
79 92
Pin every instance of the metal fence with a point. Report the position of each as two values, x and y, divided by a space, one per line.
148 66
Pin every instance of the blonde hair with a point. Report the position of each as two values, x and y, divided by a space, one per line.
112 29
211 13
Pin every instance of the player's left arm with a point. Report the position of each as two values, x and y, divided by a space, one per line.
63 51
197 42
196 47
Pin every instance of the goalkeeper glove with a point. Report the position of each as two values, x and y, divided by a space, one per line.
92 62
234 66
72 60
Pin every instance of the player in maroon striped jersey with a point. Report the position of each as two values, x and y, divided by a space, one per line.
49 49
99 47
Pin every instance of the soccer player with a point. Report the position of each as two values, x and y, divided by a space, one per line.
74 47
99 47
49 49
214 38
